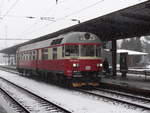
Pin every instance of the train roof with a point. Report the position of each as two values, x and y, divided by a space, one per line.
71 37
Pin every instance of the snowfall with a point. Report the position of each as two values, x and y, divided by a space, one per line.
74 101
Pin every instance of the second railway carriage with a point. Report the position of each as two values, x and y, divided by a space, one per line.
73 58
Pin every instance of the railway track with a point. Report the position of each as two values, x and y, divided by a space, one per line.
27 101
118 97
123 94
16 106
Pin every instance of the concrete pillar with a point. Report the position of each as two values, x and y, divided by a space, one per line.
8 59
114 57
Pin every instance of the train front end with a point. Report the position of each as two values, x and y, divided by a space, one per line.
83 60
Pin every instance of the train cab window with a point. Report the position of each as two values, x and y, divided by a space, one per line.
87 50
71 50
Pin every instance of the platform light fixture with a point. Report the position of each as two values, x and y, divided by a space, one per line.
76 20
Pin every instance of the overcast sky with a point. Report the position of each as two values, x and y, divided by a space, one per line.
15 24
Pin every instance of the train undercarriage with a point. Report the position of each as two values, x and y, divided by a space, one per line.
79 79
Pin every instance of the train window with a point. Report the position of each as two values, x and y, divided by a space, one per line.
54 53
63 51
45 54
87 50
72 50
57 41
30 55
34 55
98 50
24 56
19 56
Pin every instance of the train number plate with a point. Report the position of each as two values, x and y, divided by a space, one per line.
88 68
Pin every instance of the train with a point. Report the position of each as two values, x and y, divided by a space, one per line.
73 59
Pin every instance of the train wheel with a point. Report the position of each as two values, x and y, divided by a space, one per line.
69 83
20 72
61 80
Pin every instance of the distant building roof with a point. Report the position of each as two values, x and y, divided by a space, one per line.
131 52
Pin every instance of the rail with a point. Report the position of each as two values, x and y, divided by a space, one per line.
41 102
123 101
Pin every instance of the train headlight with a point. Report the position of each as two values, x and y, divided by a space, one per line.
75 65
99 65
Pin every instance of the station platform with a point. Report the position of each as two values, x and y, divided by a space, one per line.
2 110
8 66
134 82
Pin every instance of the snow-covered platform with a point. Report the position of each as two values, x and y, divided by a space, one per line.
8 66
133 81
2 110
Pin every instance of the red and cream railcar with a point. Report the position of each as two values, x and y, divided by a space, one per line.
74 58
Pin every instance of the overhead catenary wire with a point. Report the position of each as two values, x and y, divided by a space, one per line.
53 19
30 17
73 13
7 12
80 10
13 39
1 4
48 11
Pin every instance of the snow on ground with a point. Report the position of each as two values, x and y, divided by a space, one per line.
72 100
5 105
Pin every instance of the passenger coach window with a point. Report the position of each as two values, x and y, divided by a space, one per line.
54 53
63 52
71 50
45 54
34 55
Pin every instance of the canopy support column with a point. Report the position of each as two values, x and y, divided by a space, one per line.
114 57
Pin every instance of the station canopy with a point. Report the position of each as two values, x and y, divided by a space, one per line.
131 52
130 22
